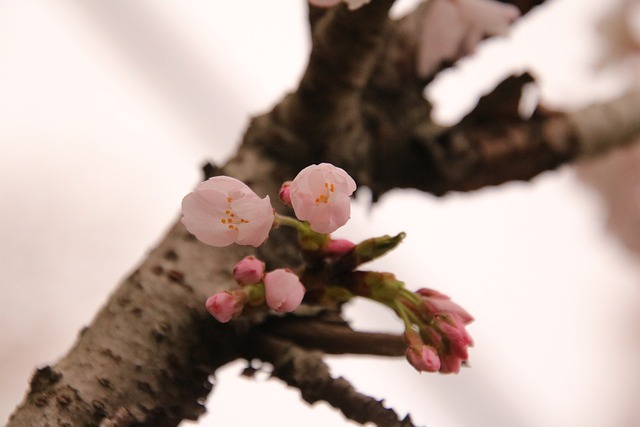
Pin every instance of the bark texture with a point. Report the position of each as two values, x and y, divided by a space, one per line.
146 358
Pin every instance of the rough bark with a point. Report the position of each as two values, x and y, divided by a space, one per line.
146 357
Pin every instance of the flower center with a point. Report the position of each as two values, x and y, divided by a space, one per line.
324 197
231 221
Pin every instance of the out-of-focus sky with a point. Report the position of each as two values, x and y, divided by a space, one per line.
107 111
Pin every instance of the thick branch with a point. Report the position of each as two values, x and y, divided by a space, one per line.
144 356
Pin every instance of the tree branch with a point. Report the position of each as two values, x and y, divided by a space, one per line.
146 356
306 371
333 337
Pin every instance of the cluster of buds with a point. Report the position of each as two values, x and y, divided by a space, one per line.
280 289
441 341
223 211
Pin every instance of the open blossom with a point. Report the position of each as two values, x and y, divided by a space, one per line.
248 270
225 305
223 210
352 4
283 290
452 28
320 194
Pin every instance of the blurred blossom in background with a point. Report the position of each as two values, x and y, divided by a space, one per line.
109 108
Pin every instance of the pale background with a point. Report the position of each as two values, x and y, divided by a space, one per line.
107 111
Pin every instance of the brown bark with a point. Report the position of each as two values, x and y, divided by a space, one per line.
146 357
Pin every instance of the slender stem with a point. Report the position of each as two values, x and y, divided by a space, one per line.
290 222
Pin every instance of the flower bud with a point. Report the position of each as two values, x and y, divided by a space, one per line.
285 193
283 290
437 303
339 246
424 359
452 329
248 270
225 305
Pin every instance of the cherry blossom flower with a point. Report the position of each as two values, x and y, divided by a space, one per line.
248 270
320 195
223 210
451 29
225 305
352 4
283 290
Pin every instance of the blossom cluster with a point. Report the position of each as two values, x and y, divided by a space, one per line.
441 342
223 210
280 289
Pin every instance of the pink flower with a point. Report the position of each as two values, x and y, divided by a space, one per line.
352 4
424 358
223 210
320 194
224 305
248 270
283 290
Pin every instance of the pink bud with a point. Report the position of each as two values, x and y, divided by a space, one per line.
224 306
285 193
283 290
438 303
424 359
454 332
450 364
320 194
248 270
339 246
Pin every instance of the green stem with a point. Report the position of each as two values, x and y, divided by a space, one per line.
289 222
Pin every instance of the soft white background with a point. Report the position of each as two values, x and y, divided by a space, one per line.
107 111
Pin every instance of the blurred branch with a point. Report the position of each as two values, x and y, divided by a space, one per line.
306 371
334 337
